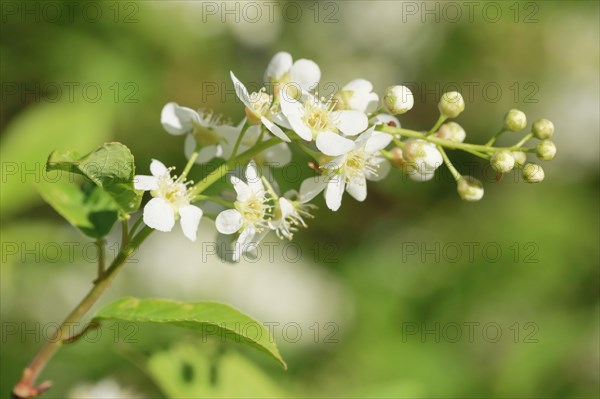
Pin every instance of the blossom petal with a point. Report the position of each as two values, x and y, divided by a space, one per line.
240 90
333 144
306 73
253 179
178 120
242 189
204 155
243 242
273 128
279 65
190 218
311 187
229 221
357 188
359 85
378 141
158 168
159 214
350 123
334 191
145 183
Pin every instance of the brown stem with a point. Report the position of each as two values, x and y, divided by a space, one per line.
26 388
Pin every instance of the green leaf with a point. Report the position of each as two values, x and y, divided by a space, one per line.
208 318
88 208
186 371
110 167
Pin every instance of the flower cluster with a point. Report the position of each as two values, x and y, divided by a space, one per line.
352 137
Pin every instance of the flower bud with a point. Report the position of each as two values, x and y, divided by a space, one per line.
502 161
452 131
451 104
520 157
470 189
398 99
533 173
422 155
515 120
545 150
543 129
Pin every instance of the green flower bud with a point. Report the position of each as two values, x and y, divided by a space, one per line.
520 157
398 99
502 161
543 129
470 189
515 120
451 104
533 173
452 131
545 150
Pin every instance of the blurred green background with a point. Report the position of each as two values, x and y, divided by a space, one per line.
410 294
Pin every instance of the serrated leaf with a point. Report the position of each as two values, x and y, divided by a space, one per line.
110 167
187 371
208 318
90 209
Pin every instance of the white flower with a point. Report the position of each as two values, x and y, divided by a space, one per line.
316 119
171 200
422 158
259 108
104 389
250 216
202 128
358 96
452 131
301 76
398 99
290 214
350 171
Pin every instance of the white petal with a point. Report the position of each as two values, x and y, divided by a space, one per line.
240 90
372 101
291 107
333 193
242 189
286 207
145 183
158 168
300 127
278 156
378 141
311 187
280 64
273 128
357 188
178 120
159 215
228 221
253 179
306 73
333 144
360 85
280 119
421 176
190 218
350 122
243 242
